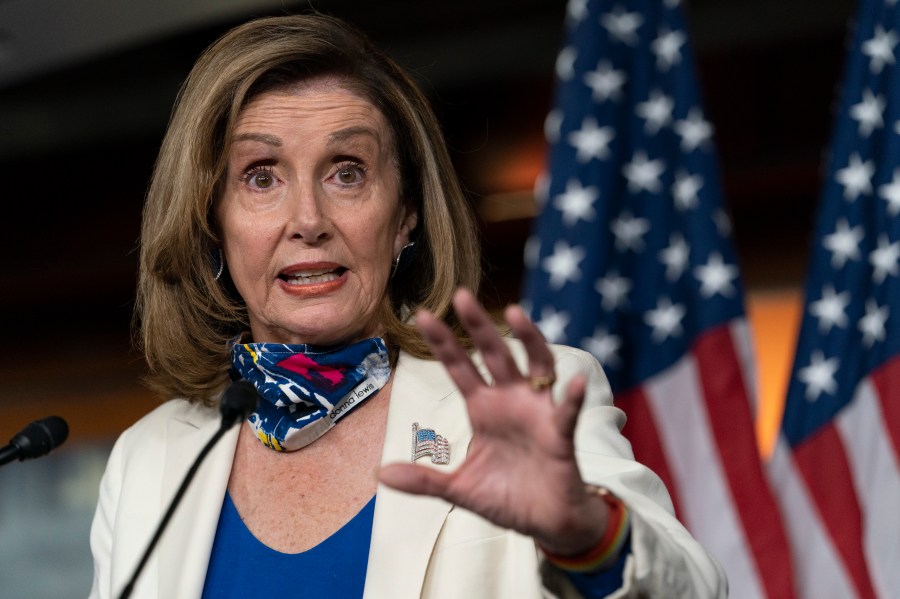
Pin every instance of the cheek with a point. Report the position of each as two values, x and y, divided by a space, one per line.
248 246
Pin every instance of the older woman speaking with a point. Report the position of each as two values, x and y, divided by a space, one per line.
304 230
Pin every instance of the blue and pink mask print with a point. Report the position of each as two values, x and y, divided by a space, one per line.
305 389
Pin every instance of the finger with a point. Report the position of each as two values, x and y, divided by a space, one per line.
487 338
446 348
540 358
419 480
567 412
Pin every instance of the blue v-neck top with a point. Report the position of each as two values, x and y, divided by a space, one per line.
240 566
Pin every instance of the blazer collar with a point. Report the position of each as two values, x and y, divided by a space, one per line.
406 527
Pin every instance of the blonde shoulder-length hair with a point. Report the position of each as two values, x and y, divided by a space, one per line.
185 316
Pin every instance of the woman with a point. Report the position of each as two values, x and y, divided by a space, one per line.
304 230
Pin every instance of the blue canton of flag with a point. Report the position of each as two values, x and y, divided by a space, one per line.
632 238
426 442
836 462
631 260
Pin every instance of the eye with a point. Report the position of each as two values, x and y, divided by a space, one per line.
350 173
262 180
260 177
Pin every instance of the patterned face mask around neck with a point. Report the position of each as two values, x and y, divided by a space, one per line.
304 390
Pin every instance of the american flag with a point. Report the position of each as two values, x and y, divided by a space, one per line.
836 465
426 442
631 260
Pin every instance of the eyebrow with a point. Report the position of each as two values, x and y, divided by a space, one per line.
267 139
350 132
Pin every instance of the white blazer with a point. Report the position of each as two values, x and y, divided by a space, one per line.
422 547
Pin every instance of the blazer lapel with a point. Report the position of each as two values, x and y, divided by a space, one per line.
406 527
183 558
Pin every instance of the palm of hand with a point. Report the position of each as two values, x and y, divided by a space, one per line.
520 470
520 465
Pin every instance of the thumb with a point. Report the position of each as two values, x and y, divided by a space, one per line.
418 480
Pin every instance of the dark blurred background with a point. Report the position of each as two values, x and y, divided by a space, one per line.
86 88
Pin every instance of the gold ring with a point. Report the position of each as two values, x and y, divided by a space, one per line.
542 383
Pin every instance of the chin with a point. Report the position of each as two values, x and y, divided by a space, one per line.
325 336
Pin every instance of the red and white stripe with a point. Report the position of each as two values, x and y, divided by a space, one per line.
840 493
693 425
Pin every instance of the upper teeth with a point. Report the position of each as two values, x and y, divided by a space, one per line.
309 273
311 277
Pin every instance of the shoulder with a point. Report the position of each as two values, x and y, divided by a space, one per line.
562 354
152 427
138 457
568 361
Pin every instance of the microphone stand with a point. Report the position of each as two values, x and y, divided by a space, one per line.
126 592
234 407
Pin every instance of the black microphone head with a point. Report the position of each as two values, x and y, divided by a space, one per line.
40 437
237 402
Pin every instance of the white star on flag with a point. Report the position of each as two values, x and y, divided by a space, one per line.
830 309
890 193
553 324
565 63
643 173
656 111
716 277
629 231
622 26
884 259
843 243
562 266
675 257
577 202
577 10
591 141
819 376
665 320
552 125
868 112
872 324
667 48
723 223
614 290
694 131
880 49
685 190
856 177
603 346
605 81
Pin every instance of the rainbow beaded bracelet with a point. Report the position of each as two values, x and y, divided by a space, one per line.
606 552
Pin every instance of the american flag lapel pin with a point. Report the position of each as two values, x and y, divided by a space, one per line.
426 442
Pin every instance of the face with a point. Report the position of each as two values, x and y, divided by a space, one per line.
310 215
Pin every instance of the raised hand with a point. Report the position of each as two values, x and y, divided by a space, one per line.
520 471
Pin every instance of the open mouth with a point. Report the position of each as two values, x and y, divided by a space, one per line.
312 277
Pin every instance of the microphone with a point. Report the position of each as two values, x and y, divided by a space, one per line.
237 402
35 440
235 405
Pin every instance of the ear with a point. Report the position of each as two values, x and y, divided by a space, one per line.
408 222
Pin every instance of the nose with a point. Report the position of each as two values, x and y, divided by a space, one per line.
309 219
